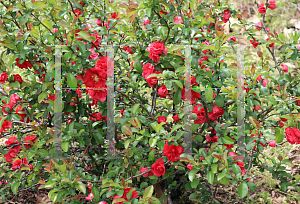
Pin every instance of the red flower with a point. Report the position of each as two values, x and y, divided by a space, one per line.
12 153
285 68
247 89
3 77
255 43
272 143
281 124
128 49
272 5
258 78
14 99
10 106
114 15
18 78
11 141
143 169
98 94
24 65
98 116
161 119
146 21
292 135
156 49
190 167
6 125
147 70
176 118
262 9
172 152
232 38
284 119
227 15
178 20
162 91
29 138
270 45
158 168
18 163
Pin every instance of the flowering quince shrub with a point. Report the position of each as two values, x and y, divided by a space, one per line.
150 163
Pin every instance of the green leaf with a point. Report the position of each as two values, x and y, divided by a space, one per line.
252 186
236 169
177 97
227 140
176 127
243 190
269 135
81 46
179 84
226 72
148 12
272 100
71 80
195 183
85 35
214 168
279 135
175 47
219 101
210 177
98 137
193 196
50 184
221 175
152 142
15 187
148 192
151 155
81 187
135 108
1 122
16 117
209 94
96 193
191 174
127 142
42 96
65 146
15 84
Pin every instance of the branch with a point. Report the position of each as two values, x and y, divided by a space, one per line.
154 99
134 101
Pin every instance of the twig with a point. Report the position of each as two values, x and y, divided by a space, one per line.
154 99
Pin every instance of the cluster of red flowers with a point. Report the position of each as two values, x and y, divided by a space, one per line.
13 152
98 116
240 163
24 65
19 110
128 49
79 11
148 69
254 43
156 50
96 78
213 116
292 135
126 190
